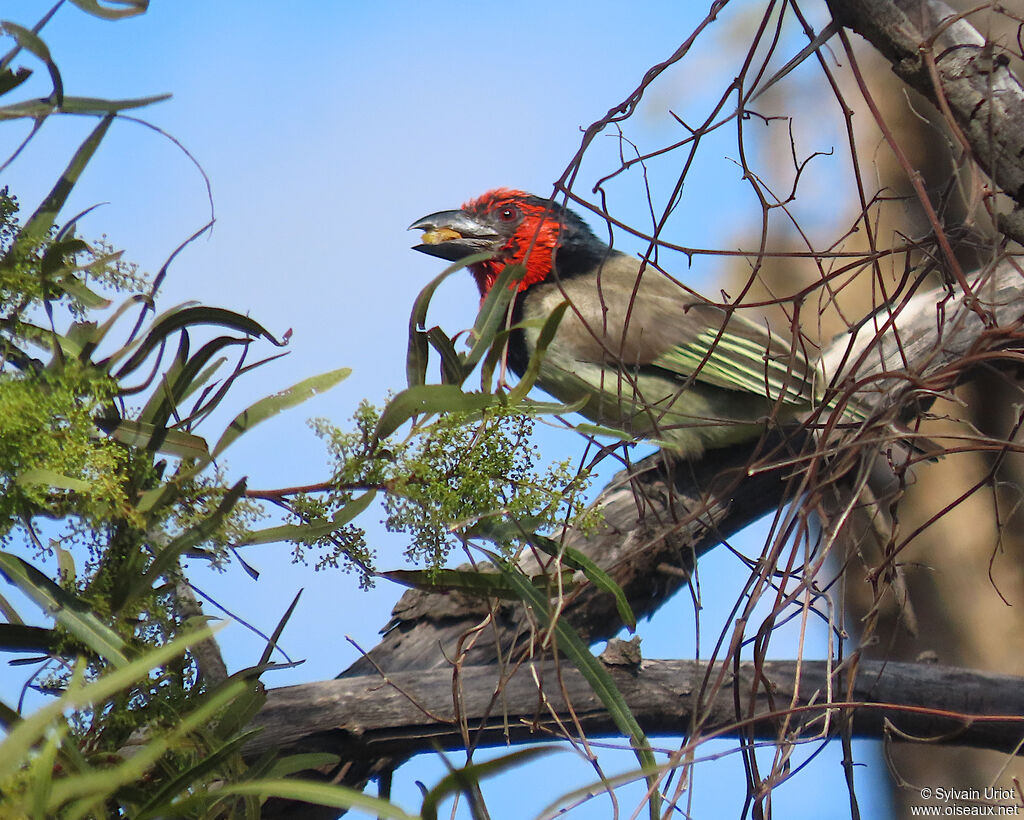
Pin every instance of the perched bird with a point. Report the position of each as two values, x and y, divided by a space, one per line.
644 355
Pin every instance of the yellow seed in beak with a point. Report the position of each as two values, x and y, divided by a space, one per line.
440 235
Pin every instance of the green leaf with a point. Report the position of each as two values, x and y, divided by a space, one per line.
100 333
36 109
46 214
78 290
547 333
493 314
416 359
22 638
310 532
160 803
504 531
570 642
484 584
466 778
184 377
431 398
599 430
130 8
16 746
602 580
51 478
31 42
301 762
548 408
66 609
451 364
86 788
44 338
272 405
158 439
9 80
322 794
183 317
168 556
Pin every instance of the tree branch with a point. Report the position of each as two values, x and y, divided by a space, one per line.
412 712
936 51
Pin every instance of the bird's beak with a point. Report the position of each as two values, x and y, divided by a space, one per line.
453 235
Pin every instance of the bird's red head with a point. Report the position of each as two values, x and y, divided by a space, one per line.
516 227
530 233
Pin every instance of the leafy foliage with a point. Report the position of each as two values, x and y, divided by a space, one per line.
106 473
439 481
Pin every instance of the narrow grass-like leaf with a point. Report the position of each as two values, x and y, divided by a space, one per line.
22 737
183 317
23 638
312 531
51 478
416 358
602 580
158 439
492 360
158 497
505 531
158 408
45 338
547 333
599 430
562 805
46 214
493 313
307 791
430 398
275 636
301 762
66 609
31 42
549 408
9 612
9 80
241 712
467 777
41 771
451 364
192 375
34 109
130 8
272 405
169 555
85 788
191 777
78 290
90 345
570 642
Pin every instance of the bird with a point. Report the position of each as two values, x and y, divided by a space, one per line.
634 350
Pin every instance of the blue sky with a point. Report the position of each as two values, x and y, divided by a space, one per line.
325 129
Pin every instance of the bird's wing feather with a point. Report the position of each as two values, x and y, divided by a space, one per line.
644 320
738 354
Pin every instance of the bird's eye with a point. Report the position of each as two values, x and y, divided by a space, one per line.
508 214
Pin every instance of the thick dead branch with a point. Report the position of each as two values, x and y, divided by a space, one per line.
939 53
412 712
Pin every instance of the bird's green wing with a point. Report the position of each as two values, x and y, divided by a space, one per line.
733 352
